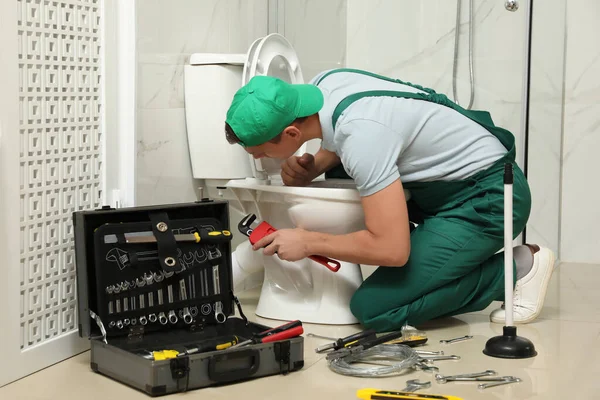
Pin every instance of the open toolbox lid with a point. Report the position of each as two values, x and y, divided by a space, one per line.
87 225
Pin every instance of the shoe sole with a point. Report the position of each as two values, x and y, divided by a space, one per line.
542 295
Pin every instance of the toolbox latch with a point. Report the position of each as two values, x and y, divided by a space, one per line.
179 367
282 354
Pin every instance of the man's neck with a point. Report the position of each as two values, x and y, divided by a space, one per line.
313 128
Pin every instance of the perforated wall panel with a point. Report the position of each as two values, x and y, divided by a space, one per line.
60 129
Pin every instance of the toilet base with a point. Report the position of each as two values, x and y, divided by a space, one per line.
324 299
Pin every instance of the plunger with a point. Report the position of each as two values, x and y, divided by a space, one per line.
509 345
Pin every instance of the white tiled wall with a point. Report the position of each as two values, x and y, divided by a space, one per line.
167 33
317 30
546 121
414 41
580 232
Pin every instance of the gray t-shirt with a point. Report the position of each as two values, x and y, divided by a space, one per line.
381 139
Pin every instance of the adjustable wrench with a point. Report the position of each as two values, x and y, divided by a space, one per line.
263 229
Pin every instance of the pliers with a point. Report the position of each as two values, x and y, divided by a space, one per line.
263 229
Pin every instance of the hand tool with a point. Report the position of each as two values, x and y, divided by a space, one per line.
111 324
205 309
109 289
152 318
285 331
143 320
158 276
439 358
219 316
133 321
363 344
202 294
219 343
172 316
194 311
126 322
506 382
140 282
151 299
478 379
263 229
206 282
124 286
110 307
162 318
148 278
125 304
118 303
187 317
119 324
216 284
117 288
442 379
133 305
164 355
202 236
430 353
426 367
374 394
459 339
346 341
414 384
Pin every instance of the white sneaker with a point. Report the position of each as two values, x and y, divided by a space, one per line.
530 291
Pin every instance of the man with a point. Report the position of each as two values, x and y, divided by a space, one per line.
389 135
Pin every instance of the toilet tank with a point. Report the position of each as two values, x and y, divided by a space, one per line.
210 82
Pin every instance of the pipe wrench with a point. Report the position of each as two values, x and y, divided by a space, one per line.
264 229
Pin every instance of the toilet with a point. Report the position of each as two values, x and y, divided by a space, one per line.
303 290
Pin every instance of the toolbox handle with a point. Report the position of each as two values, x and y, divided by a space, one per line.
233 374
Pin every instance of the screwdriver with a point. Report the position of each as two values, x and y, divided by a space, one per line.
285 331
346 341
219 343
204 236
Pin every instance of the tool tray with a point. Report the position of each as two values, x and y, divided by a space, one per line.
145 283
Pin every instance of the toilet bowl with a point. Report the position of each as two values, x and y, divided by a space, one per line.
303 290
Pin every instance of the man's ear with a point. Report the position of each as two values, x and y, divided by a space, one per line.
293 132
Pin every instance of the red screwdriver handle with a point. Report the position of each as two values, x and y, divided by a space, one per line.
288 334
265 229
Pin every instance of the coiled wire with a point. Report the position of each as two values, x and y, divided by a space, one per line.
392 358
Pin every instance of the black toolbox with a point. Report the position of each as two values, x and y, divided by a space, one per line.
146 285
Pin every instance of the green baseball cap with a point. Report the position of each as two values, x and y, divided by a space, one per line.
264 107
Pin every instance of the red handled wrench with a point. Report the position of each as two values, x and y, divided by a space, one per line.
263 229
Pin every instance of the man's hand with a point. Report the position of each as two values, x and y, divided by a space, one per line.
289 244
299 171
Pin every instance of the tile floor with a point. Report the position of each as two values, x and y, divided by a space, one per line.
567 337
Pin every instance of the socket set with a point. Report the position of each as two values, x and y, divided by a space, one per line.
166 274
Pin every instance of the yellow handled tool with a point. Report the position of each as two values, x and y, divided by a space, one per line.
376 394
204 236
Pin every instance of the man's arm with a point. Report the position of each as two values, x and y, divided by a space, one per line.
325 160
386 241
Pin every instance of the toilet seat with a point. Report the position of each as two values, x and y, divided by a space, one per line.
272 55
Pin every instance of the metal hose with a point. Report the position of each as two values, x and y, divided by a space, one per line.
393 358
456 36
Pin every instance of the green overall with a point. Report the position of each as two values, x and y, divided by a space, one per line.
454 266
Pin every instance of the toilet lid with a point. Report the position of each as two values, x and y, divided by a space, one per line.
272 55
